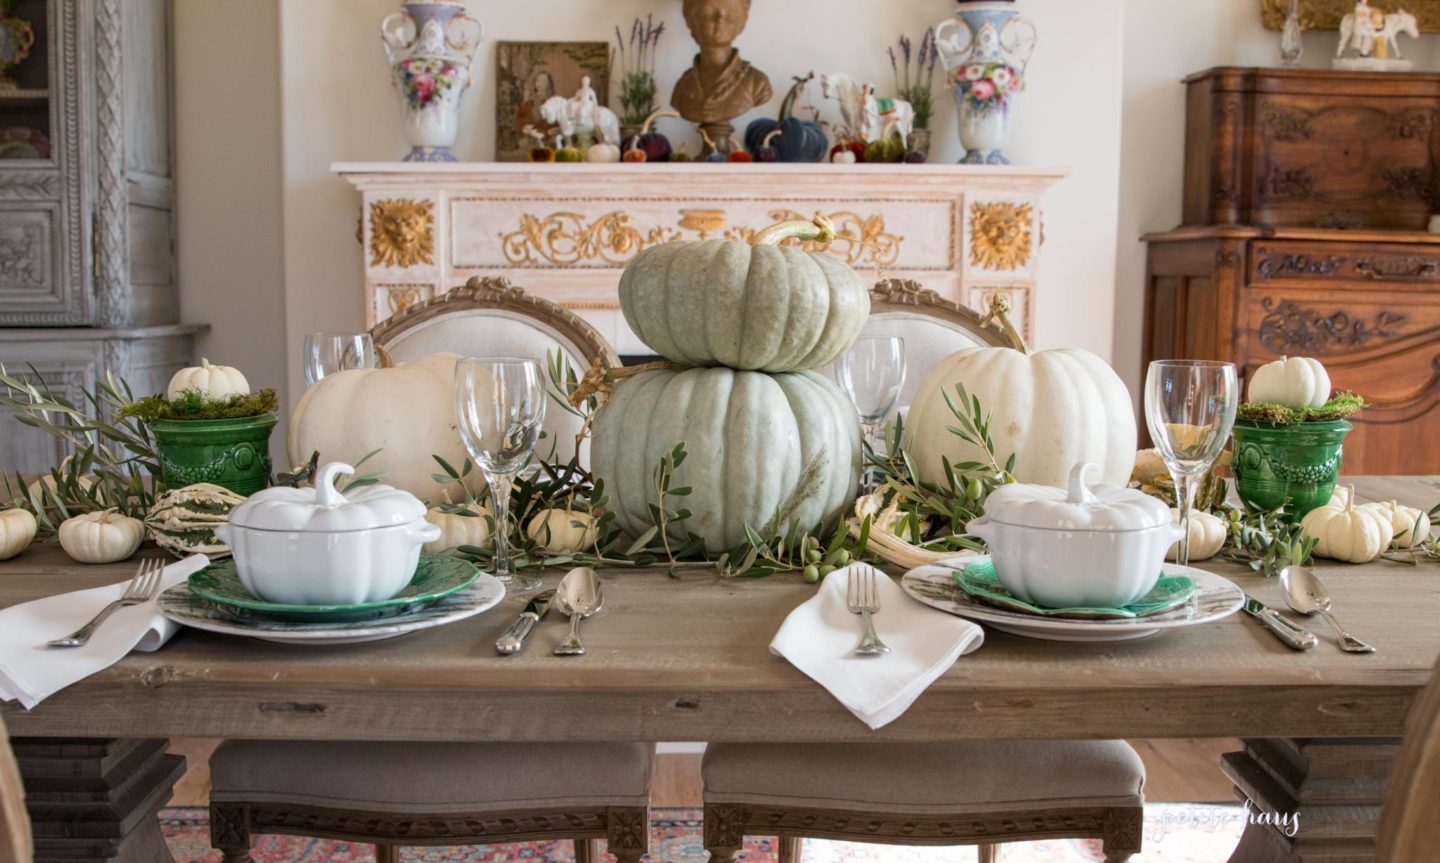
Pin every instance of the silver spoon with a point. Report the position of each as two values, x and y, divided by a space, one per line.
579 596
1305 594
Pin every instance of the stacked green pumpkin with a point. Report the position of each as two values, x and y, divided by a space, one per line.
770 441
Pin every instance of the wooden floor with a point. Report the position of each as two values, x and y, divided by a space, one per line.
1176 771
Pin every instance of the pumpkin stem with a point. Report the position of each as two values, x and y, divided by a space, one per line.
999 315
787 105
770 137
383 358
819 229
600 379
650 120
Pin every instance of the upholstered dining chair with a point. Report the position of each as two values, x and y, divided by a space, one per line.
15 840
1409 829
932 327
490 317
971 793
399 794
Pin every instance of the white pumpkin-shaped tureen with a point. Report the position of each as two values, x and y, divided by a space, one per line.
316 546
1096 546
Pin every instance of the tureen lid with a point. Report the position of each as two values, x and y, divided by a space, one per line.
324 509
1079 507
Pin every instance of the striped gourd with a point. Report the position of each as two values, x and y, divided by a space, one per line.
183 520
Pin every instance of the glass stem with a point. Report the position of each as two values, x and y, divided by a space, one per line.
867 473
500 495
1185 501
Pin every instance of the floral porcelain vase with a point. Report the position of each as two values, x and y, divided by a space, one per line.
431 48
985 48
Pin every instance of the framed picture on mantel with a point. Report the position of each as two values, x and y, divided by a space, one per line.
528 73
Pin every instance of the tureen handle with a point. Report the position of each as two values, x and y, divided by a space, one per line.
326 494
1079 489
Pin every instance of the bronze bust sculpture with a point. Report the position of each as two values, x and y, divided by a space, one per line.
719 86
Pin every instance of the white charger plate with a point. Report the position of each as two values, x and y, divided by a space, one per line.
1215 598
187 609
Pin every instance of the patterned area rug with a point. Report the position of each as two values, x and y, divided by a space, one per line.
1174 833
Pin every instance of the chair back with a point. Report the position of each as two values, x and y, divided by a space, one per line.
15 840
1409 827
933 328
489 317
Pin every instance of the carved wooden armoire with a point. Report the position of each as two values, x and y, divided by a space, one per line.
1307 199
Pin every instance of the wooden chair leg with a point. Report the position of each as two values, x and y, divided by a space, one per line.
387 853
1121 833
587 851
988 853
791 848
230 832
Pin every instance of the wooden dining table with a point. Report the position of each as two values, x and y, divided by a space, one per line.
685 657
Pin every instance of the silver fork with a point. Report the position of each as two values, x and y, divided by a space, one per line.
142 588
863 599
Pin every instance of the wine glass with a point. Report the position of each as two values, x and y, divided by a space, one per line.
871 374
500 404
328 353
1189 407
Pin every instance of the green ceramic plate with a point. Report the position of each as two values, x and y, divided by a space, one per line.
979 581
436 577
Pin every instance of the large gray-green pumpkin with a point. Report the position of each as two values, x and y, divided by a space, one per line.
729 303
748 436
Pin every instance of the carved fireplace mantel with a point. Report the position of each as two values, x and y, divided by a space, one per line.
565 232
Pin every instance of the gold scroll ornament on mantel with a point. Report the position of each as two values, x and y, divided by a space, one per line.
1326 14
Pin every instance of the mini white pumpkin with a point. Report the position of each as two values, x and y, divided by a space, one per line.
1207 535
1355 534
1297 382
104 536
562 531
217 382
1409 526
17 531
457 529
41 489
1341 496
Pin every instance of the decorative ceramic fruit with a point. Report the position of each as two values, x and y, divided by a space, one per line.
1297 382
886 149
654 146
799 140
562 531
843 157
104 536
602 151
567 153
747 306
403 413
1052 409
1409 526
856 149
716 157
738 153
17 531
1207 535
1355 534
457 529
766 152
217 382
680 155
756 444
183 520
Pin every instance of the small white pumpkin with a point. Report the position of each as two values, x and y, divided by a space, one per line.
1207 535
562 531
1355 534
1341 496
41 489
217 382
1409 526
457 529
17 531
1297 382
104 536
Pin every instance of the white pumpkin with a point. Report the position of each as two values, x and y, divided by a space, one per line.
17 531
1297 382
1053 409
1207 535
104 536
405 411
41 489
457 529
562 531
1355 534
1409 526
217 382
1341 496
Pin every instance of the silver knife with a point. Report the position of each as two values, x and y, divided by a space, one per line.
1293 634
514 638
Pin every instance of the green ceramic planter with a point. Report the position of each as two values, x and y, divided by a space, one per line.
1296 463
234 453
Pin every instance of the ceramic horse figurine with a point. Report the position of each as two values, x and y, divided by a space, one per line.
864 115
1358 30
581 114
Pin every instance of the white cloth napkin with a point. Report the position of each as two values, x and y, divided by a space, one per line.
820 635
32 672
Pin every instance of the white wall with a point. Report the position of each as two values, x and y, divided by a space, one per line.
338 106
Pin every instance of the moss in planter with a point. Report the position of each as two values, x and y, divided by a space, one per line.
1342 406
197 405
